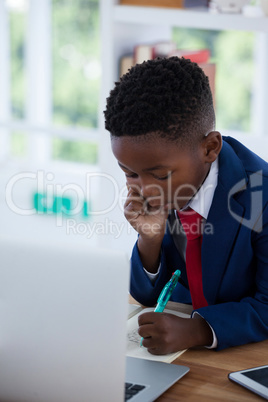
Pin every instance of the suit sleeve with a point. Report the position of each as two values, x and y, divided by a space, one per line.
141 287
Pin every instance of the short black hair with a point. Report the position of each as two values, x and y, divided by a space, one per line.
170 97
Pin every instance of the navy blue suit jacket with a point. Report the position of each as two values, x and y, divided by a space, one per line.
234 256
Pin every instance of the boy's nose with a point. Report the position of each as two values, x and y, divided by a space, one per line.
144 188
145 191
149 190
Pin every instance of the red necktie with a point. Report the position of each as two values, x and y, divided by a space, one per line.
191 222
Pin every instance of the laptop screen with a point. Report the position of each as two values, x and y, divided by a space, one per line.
63 322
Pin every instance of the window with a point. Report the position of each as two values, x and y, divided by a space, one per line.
53 79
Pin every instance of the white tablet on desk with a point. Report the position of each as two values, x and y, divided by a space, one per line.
255 379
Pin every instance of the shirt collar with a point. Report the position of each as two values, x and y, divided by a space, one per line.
202 200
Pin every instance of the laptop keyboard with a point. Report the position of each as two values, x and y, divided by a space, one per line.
132 390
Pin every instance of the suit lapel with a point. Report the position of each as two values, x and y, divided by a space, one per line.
179 240
221 228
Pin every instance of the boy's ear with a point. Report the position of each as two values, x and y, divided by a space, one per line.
212 145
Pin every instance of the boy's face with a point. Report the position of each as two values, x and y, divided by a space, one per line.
161 171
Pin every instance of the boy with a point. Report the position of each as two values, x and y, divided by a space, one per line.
199 204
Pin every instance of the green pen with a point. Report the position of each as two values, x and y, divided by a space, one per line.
166 294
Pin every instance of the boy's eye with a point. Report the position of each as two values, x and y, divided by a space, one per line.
131 175
163 177
135 175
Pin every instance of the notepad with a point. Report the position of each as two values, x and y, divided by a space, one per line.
133 309
133 339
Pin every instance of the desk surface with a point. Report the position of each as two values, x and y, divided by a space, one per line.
207 379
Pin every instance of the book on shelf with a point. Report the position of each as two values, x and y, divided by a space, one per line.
125 63
154 3
166 3
133 338
210 71
200 56
142 53
145 51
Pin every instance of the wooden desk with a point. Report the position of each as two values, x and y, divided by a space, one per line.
207 380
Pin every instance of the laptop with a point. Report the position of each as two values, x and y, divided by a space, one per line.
63 314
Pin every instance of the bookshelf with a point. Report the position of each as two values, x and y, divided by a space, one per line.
124 26
200 19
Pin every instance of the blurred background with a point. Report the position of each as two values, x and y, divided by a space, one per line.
57 173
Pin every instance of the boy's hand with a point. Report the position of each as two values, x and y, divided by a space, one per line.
165 333
147 220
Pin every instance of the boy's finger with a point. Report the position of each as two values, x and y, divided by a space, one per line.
146 318
135 189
